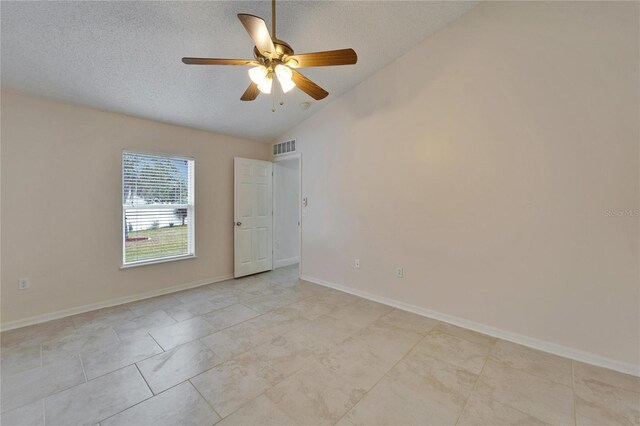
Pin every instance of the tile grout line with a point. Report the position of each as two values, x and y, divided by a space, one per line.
383 376
259 314
159 345
205 399
120 339
498 401
115 333
253 399
84 373
249 402
140 402
491 357
528 373
475 385
199 316
271 386
124 366
233 325
243 352
65 389
145 380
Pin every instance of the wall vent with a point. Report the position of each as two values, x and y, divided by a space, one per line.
284 147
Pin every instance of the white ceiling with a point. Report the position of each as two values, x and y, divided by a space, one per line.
125 56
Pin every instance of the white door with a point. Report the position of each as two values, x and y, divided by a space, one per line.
253 224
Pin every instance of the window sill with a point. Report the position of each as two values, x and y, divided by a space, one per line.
154 262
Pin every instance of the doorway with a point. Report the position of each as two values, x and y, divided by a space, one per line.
286 211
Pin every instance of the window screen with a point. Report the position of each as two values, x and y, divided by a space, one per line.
157 207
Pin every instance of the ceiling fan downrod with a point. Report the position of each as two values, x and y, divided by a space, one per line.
273 18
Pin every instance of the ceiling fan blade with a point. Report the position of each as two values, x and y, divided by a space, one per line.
218 61
257 29
323 59
251 93
308 86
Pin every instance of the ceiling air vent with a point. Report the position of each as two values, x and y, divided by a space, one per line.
284 147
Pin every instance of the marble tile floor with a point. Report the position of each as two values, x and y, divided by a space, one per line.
271 349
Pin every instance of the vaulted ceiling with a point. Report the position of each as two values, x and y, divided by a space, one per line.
125 56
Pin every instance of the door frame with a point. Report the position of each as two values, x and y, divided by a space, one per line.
275 160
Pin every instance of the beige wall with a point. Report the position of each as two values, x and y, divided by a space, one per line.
61 204
485 162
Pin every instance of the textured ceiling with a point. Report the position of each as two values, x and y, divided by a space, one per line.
125 56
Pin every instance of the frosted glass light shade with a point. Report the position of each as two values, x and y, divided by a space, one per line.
265 86
258 74
284 75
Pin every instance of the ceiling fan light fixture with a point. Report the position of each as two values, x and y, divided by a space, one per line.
265 86
275 56
258 74
261 76
284 75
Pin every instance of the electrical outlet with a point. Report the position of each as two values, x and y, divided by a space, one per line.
357 263
399 272
23 283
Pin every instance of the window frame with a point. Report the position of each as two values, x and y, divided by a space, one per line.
191 209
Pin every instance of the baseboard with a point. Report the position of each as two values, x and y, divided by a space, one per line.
10 325
531 342
286 262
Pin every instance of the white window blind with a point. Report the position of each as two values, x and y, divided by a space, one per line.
157 207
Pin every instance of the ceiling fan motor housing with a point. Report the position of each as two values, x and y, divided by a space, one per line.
283 50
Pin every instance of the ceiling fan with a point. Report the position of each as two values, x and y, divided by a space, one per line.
276 57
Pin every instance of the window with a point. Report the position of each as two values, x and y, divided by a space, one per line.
157 208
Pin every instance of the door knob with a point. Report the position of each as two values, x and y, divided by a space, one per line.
238 223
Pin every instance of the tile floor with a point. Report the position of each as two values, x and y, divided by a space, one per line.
271 349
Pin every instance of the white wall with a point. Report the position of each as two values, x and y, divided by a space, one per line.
286 199
487 162
62 204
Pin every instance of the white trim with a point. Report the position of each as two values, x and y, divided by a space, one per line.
287 156
531 342
156 206
273 216
10 325
158 154
280 263
159 260
284 157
